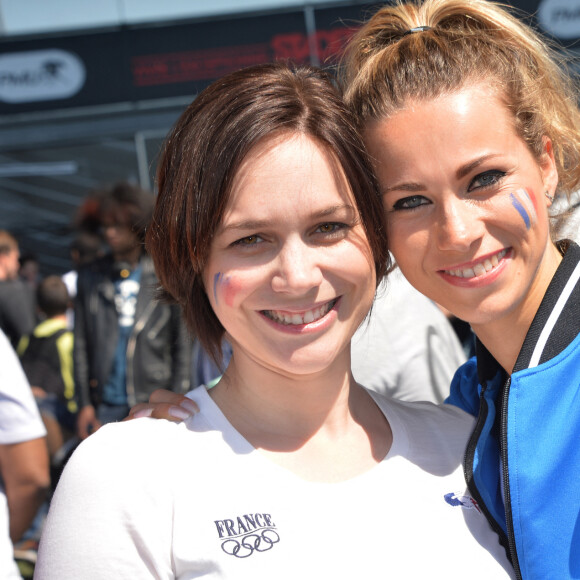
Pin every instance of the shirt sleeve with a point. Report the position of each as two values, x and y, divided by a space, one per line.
19 417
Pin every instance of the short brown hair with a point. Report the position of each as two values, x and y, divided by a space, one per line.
129 204
204 151
52 296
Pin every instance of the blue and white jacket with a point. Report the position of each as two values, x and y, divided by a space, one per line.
522 463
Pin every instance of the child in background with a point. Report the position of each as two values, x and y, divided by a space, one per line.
46 356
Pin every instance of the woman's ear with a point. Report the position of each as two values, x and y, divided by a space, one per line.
549 170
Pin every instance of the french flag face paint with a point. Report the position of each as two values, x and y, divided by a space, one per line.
524 205
217 279
228 286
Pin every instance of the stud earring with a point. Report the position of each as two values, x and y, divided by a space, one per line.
550 197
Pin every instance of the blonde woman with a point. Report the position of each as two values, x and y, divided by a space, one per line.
474 130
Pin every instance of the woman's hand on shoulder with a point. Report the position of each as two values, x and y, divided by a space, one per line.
165 405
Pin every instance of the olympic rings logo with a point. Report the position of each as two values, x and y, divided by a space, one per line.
246 546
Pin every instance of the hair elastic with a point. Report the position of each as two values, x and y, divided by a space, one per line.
417 29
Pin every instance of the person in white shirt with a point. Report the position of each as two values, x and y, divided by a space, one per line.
24 468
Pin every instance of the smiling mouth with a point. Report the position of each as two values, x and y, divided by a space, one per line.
288 318
479 269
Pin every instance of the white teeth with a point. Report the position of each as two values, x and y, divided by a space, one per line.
306 318
479 269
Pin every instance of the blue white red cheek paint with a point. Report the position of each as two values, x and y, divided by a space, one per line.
524 205
218 279
227 286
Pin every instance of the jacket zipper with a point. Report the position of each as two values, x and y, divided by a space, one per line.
468 468
131 345
506 482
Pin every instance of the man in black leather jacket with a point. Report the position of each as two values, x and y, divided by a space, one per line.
126 343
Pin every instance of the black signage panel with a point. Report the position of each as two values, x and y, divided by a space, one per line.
559 19
183 59
334 27
141 63
88 69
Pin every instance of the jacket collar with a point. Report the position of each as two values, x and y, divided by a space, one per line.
555 325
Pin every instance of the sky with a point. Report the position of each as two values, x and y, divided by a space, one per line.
40 16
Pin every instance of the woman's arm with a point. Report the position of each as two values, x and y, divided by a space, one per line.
25 473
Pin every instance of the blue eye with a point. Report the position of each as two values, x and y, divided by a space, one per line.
486 179
411 202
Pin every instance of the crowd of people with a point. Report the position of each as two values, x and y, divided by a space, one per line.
84 347
313 249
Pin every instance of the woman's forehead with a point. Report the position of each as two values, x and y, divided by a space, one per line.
294 172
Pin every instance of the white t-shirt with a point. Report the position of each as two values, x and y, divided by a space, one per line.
19 421
154 499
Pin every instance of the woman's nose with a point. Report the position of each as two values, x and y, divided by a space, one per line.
457 226
298 267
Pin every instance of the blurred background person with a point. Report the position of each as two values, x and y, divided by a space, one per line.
85 247
565 214
24 465
126 343
17 316
47 359
29 270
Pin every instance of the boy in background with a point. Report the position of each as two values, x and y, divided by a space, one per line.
47 359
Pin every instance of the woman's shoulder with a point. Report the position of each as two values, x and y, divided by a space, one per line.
432 436
127 446
140 446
